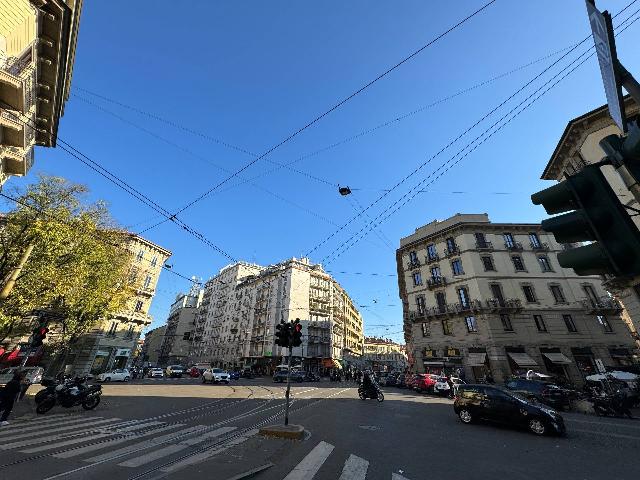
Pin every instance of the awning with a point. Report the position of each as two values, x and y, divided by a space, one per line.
433 364
557 357
476 359
522 359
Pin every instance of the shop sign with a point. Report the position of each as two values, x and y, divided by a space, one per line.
123 352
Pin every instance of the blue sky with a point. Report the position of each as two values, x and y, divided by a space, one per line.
251 73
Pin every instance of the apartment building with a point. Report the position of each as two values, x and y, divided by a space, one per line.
110 343
382 354
579 146
152 343
174 349
484 298
37 52
242 304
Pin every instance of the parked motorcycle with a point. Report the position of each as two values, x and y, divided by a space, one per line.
374 393
616 405
68 394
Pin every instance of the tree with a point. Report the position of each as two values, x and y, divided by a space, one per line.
79 266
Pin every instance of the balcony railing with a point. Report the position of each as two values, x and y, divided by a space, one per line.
603 305
514 247
511 305
539 247
484 245
435 282
451 251
432 258
414 264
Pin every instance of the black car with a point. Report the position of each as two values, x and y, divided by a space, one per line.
311 377
400 381
545 392
496 404
296 376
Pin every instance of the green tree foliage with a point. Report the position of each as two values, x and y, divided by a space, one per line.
79 266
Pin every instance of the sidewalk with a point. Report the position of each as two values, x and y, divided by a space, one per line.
25 408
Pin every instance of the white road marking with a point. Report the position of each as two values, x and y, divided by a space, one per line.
355 468
309 465
397 476
170 449
46 438
51 426
606 434
608 424
73 441
110 443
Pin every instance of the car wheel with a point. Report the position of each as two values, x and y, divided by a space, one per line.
465 416
126 379
203 380
419 390
537 426
108 379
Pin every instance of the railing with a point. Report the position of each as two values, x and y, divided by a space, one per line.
484 245
432 258
601 305
539 247
451 251
502 304
514 247
435 282
414 264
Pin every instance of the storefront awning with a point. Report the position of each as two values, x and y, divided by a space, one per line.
522 359
557 357
476 359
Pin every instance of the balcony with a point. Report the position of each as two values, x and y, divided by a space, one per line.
16 161
508 305
17 84
432 258
539 247
436 282
513 247
451 251
484 245
601 306
413 264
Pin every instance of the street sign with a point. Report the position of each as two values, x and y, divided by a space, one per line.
602 31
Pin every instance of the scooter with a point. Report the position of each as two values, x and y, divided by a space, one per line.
69 394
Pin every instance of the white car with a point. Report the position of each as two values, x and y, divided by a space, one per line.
215 375
155 373
441 386
118 375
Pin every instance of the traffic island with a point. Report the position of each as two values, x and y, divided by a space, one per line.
292 432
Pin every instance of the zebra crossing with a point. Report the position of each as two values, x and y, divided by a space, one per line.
355 467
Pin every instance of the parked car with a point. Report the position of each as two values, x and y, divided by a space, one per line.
390 381
545 392
117 375
215 375
281 376
400 381
441 387
311 377
175 371
235 375
32 374
425 382
496 404
246 373
155 373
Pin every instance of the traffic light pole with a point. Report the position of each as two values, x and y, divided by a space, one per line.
286 396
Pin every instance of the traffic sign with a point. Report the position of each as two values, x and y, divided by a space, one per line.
602 30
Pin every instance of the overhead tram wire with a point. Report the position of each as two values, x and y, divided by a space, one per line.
452 142
345 245
330 110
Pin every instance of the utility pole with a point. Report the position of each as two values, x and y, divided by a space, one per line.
13 277
286 407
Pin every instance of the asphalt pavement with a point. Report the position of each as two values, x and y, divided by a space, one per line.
181 429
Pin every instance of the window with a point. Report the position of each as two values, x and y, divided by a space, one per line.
112 329
456 267
496 291
539 321
568 321
591 294
140 256
186 336
139 306
420 304
556 291
426 329
544 264
488 264
472 324
451 244
129 333
535 241
529 294
463 296
431 252
435 272
441 302
417 279
602 320
481 240
154 261
446 327
517 263
413 257
147 281
508 240
506 323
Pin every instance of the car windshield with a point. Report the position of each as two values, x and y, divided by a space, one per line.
217 370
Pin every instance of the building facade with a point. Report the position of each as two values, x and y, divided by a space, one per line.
37 52
153 340
490 299
579 146
180 327
242 304
110 343
382 354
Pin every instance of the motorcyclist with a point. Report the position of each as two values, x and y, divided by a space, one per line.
368 385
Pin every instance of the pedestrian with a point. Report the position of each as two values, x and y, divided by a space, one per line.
8 395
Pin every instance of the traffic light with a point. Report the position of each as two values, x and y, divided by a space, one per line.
282 334
597 216
296 334
39 335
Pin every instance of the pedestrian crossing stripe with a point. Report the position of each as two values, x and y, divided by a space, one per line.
55 435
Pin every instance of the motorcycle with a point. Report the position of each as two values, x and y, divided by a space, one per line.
68 394
373 392
616 405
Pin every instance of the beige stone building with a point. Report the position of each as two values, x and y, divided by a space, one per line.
37 51
579 146
243 303
153 340
481 297
382 354
110 343
180 327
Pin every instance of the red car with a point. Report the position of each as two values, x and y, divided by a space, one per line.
424 382
195 372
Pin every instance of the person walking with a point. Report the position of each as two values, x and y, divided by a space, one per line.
8 396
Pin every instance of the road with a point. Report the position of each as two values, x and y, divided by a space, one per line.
181 429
